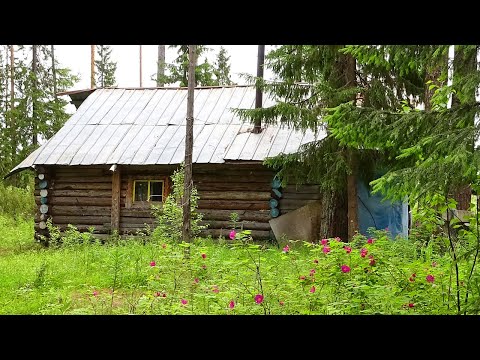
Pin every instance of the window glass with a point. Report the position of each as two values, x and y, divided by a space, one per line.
141 191
156 190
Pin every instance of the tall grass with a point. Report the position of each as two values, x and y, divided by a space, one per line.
17 202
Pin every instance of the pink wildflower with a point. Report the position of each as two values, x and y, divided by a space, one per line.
232 234
324 241
312 272
430 278
345 268
312 289
281 303
164 295
363 252
326 249
348 249
184 302
315 261
338 239
231 304
158 293
410 305
196 280
434 263
204 256
302 277
372 261
215 289
258 298
370 241
153 263
204 267
286 249
386 229
95 293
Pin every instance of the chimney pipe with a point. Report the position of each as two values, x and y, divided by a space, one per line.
257 128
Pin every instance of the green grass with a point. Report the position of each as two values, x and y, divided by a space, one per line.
83 277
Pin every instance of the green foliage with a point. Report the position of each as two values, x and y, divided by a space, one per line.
170 213
104 67
17 202
222 68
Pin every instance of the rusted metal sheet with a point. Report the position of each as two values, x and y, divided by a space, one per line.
147 126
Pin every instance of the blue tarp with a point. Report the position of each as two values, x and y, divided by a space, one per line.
373 212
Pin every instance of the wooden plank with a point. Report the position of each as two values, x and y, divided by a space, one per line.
179 98
293 142
235 195
80 193
172 145
178 117
221 106
62 145
147 137
75 144
179 154
89 115
87 103
132 212
150 107
137 220
200 140
293 203
86 220
80 180
308 137
139 106
304 189
162 104
97 229
81 201
79 170
124 144
269 134
200 101
66 210
227 204
251 146
82 186
247 225
111 144
248 215
280 141
106 107
220 149
247 102
235 149
127 107
246 187
160 145
117 107
115 216
86 147
99 144
242 178
301 196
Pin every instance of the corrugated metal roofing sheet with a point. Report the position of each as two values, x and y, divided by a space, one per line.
147 126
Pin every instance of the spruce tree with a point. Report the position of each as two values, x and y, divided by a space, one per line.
222 68
105 67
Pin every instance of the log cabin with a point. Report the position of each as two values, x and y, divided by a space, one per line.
114 156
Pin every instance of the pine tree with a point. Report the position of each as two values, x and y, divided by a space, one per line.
105 67
179 69
222 68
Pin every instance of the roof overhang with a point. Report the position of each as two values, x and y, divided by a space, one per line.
77 96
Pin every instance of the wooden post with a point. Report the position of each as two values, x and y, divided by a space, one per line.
186 231
116 185
161 65
92 66
257 128
140 65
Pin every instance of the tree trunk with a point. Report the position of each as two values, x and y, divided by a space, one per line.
140 63
54 74
186 233
12 102
34 95
161 65
92 66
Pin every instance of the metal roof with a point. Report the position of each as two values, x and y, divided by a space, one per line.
147 126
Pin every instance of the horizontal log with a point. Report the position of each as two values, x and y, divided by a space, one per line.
81 179
227 204
138 226
234 172
98 229
132 212
301 196
293 204
247 225
205 186
83 171
83 186
215 233
249 215
80 210
81 200
80 193
235 195
304 189
137 220
235 166
87 220
241 178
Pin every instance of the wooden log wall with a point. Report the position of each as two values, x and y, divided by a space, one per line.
241 188
296 196
78 195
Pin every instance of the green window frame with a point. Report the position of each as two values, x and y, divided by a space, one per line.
149 189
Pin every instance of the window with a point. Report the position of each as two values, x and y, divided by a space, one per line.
148 190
